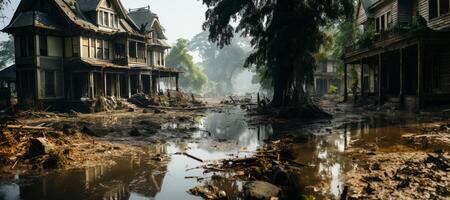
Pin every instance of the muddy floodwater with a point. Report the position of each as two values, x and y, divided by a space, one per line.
220 134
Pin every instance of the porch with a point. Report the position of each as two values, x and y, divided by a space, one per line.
412 70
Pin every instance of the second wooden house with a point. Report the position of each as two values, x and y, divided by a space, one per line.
403 51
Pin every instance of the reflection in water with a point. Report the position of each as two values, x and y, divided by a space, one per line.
142 178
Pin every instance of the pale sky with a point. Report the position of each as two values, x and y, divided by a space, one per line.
180 18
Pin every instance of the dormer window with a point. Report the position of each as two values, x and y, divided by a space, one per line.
108 19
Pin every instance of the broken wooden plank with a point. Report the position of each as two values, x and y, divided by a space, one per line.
28 127
190 156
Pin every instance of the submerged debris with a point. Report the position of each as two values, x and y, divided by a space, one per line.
415 175
208 192
261 190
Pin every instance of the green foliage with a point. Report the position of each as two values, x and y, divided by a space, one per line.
221 65
333 89
6 52
285 35
364 38
193 77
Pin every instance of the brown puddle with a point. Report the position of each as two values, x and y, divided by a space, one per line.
220 135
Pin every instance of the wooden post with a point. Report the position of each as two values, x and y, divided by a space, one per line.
140 82
402 77
177 82
362 77
117 85
128 84
380 90
91 85
105 84
345 82
419 75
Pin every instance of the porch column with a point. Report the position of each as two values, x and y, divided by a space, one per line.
118 85
419 75
345 83
380 90
104 85
129 84
362 77
91 85
402 77
154 85
140 82
177 82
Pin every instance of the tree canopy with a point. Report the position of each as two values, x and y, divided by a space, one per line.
221 65
285 34
6 52
193 78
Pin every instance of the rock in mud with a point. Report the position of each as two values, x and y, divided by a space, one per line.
208 192
261 190
40 146
279 175
86 130
135 133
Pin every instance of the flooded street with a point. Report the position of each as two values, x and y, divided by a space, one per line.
162 171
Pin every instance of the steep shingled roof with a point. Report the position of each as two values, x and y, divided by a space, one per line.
88 5
8 74
143 17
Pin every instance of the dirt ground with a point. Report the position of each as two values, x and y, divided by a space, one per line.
78 140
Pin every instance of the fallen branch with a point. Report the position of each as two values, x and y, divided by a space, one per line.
190 156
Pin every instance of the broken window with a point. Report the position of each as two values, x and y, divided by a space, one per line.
49 83
132 49
92 48
100 18
99 49
382 23
111 20
377 25
444 7
141 50
106 45
106 18
76 46
26 46
43 49
389 19
438 8
85 46
119 49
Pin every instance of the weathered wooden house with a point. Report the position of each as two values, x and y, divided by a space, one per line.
69 50
326 76
403 51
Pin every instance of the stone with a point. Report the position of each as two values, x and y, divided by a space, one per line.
40 146
261 190
135 133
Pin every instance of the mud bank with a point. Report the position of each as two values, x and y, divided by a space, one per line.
40 141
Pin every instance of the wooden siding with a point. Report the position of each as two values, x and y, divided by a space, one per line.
386 7
406 11
423 9
361 17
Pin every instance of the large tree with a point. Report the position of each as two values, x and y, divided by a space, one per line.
221 65
285 34
6 52
193 78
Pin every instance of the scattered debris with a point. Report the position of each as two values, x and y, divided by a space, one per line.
261 190
208 192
